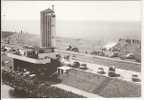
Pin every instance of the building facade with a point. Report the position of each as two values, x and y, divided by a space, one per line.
48 28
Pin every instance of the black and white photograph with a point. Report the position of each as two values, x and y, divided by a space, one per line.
71 49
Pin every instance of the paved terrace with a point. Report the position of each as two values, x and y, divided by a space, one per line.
42 58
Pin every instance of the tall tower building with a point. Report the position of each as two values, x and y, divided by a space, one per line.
48 28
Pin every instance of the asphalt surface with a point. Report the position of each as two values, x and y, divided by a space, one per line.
121 64
125 75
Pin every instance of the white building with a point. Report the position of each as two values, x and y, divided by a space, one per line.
48 29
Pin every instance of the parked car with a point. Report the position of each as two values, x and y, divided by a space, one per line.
32 75
112 68
111 72
122 58
7 48
76 64
83 66
115 54
100 70
135 78
130 56
26 73
127 56
6 62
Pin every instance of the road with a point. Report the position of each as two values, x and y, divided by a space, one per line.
92 56
125 75
77 54
121 64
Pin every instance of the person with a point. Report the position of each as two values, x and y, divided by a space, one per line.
11 69
114 68
62 60
59 71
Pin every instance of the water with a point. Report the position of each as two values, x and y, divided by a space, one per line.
93 30
9 92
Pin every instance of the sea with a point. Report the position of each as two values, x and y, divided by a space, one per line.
85 29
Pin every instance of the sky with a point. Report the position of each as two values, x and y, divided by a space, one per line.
75 18
73 10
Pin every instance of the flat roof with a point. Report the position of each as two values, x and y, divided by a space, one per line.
28 59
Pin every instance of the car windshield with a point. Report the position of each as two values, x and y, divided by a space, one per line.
135 75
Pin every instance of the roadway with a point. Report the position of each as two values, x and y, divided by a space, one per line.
77 54
125 75
121 64
93 56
